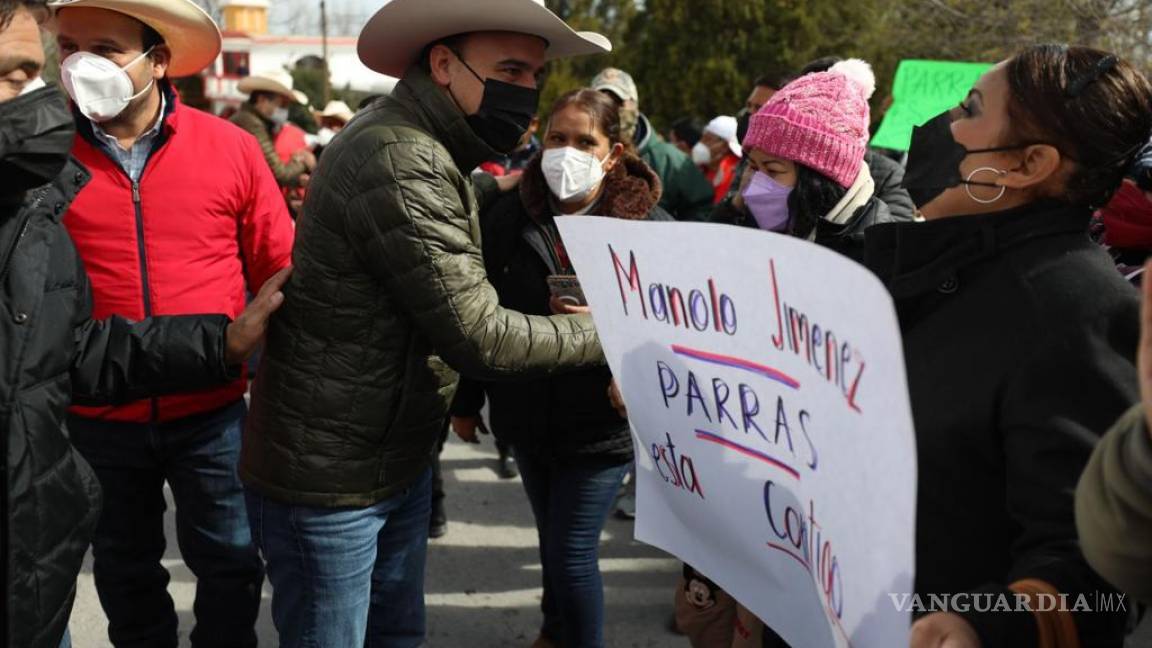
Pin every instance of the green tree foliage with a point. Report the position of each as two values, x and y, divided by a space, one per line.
310 79
992 30
699 57
613 18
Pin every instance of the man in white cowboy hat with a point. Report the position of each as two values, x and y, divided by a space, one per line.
333 119
180 216
270 94
392 300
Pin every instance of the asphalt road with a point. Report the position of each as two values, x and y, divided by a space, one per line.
483 580
483 577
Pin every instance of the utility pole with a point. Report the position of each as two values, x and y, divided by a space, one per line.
324 45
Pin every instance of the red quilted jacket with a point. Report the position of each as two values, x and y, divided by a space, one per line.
205 219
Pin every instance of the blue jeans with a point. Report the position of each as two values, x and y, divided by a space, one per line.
571 504
197 456
347 577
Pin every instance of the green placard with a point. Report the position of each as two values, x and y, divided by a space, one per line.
922 90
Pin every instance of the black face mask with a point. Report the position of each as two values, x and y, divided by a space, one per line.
36 131
743 120
934 160
505 114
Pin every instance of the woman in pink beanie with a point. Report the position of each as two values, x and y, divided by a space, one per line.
806 148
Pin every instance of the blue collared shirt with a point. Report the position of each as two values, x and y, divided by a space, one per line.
132 159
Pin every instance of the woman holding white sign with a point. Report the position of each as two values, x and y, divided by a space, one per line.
570 444
1019 337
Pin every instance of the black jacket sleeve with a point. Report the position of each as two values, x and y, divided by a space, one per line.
469 398
1060 401
117 361
1114 506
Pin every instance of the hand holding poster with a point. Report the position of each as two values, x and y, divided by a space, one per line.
920 91
764 378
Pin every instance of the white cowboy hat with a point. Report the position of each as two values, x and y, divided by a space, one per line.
395 36
188 31
338 109
276 81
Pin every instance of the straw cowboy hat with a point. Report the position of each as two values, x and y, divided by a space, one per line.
395 36
339 110
188 31
275 81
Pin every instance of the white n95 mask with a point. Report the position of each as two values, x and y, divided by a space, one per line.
701 154
100 88
571 174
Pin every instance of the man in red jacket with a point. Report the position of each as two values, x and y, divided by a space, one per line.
181 214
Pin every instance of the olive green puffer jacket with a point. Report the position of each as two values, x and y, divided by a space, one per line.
388 301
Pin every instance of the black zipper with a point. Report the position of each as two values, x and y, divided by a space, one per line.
161 140
140 248
23 229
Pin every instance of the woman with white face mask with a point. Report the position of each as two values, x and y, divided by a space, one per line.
571 446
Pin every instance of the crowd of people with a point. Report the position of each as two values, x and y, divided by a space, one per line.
399 270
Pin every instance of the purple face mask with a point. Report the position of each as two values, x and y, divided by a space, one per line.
768 202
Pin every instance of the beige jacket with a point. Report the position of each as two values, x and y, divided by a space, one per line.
1114 506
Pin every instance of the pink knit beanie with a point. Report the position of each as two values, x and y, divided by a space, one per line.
819 120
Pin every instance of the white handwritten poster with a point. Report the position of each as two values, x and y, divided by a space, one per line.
764 378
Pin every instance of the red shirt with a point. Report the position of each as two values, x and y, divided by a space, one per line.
206 220
289 140
721 176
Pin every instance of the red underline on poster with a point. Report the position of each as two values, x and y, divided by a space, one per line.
788 551
807 568
704 435
737 363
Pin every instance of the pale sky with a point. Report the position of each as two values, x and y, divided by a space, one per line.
345 17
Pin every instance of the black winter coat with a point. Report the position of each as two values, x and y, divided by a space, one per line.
53 354
1019 339
566 416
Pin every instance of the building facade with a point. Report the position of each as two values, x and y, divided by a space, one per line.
250 49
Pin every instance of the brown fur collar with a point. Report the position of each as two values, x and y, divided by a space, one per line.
631 190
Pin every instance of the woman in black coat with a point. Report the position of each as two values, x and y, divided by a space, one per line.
571 446
1018 337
